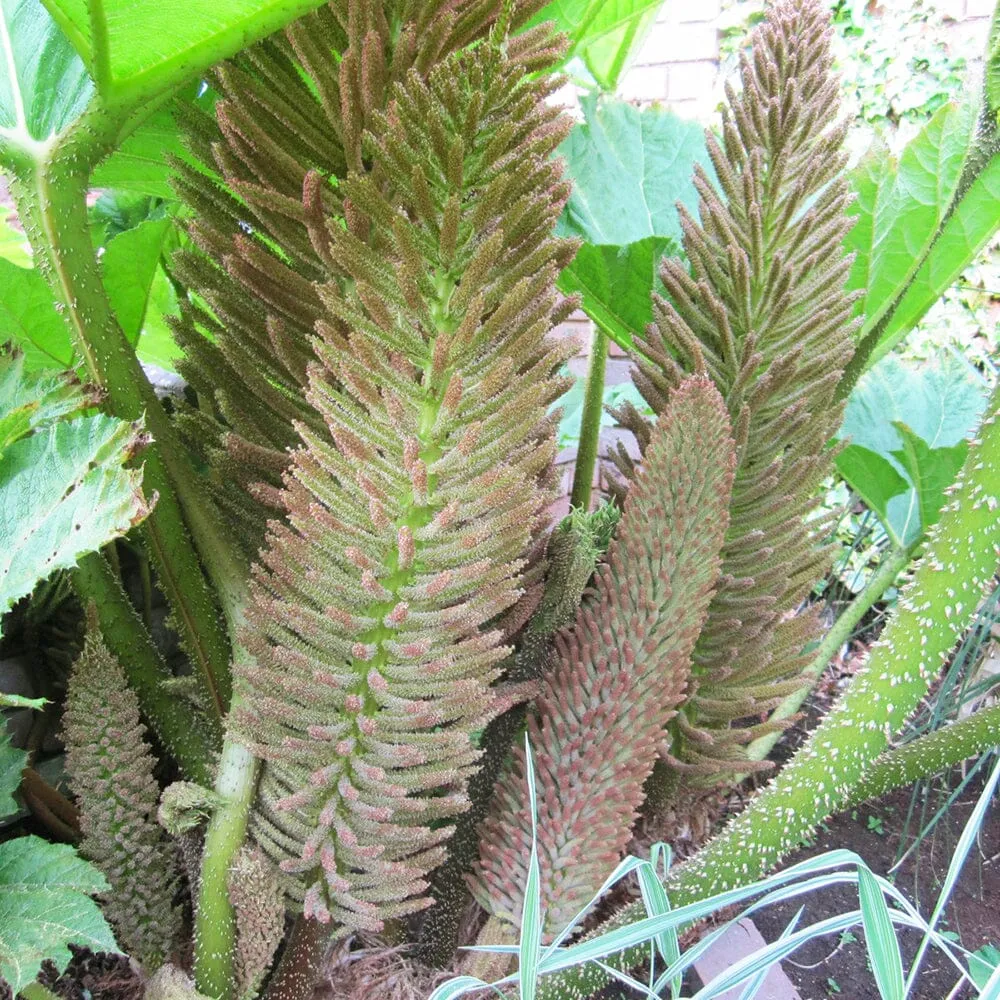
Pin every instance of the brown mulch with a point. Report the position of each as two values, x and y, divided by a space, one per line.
90 976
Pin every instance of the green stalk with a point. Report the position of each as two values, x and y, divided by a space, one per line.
947 585
192 741
215 924
928 755
893 563
50 191
590 422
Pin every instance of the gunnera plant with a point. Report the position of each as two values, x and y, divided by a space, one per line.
110 765
763 310
414 508
289 122
618 674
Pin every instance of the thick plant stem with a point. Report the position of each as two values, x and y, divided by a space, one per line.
51 199
215 925
892 564
590 422
947 585
930 754
301 962
51 191
192 741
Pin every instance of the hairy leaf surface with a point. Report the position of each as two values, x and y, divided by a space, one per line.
45 904
63 488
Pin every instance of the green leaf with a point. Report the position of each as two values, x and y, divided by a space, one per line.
129 265
12 763
629 169
900 207
63 489
156 341
974 220
45 904
32 401
20 701
604 34
982 962
615 284
940 403
872 477
931 470
140 164
14 246
43 83
136 49
28 316
880 937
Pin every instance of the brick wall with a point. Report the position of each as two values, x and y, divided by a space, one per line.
679 62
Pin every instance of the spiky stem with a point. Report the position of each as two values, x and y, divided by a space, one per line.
215 926
930 754
940 600
50 192
192 742
892 564
590 422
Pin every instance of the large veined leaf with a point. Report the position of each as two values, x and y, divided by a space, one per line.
12 762
134 281
139 48
140 164
64 490
32 402
129 264
615 282
603 34
14 246
908 423
45 904
972 223
28 316
629 169
921 221
900 206
43 83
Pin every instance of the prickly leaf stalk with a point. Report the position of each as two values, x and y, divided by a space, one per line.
413 508
110 765
292 114
597 727
764 311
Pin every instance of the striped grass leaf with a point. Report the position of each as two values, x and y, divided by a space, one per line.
532 918
753 987
880 937
654 896
969 835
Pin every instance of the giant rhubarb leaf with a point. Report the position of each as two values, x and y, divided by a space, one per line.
45 904
64 490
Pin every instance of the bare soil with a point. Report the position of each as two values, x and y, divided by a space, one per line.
829 968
